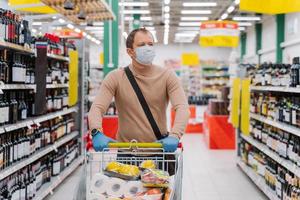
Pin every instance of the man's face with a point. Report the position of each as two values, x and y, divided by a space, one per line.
140 39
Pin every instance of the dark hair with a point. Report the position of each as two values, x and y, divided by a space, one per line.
130 38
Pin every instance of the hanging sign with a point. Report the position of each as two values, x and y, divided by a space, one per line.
33 6
235 104
245 109
190 59
270 6
219 34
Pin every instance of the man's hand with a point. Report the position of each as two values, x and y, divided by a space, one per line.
100 141
169 143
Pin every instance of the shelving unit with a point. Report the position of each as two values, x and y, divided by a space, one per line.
280 125
275 89
214 75
263 148
16 47
19 165
257 180
41 60
48 188
58 57
37 120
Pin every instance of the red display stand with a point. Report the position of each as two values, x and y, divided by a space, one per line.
110 126
218 132
191 127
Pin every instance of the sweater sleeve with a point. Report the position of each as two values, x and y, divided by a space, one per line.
179 104
102 101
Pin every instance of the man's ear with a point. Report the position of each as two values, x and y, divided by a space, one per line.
130 52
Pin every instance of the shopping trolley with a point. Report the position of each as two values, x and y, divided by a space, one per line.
134 153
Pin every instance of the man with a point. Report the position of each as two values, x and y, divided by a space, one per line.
158 85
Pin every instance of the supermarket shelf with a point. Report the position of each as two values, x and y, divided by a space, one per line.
216 76
17 86
258 180
37 120
48 188
292 167
58 57
215 68
16 47
280 125
19 165
275 89
52 86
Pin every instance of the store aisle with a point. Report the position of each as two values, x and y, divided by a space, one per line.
213 175
208 175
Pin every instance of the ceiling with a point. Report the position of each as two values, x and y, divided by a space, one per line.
159 24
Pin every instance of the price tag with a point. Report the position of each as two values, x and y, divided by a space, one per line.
38 124
1 92
54 148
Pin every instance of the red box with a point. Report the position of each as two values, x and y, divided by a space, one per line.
190 128
218 132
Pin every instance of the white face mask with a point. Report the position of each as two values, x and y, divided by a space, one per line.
145 54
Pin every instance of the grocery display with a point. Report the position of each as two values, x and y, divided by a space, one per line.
221 80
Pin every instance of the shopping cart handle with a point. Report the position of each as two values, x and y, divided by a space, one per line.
138 145
135 145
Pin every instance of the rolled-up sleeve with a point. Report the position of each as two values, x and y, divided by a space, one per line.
102 101
179 104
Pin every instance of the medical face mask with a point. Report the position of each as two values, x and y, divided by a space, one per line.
145 54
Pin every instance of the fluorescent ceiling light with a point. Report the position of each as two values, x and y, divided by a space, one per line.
230 9
198 4
242 28
186 34
36 23
146 18
59 28
167 26
77 30
150 28
166 38
246 18
125 35
84 34
245 24
94 28
98 42
61 21
70 26
167 9
167 21
54 17
134 4
136 11
224 16
88 37
154 35
167 15
167 2
189 24
199 12
194 18
33 30
237 2
189 28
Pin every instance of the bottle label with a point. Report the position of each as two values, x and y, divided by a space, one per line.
2 115
24 114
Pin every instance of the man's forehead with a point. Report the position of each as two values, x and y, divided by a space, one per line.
142 36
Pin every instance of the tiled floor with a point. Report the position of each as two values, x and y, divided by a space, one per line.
208 175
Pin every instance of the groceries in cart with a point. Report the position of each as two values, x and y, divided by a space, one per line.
129 182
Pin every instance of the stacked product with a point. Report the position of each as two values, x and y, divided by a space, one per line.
272 148
28 182
35 118
214 76
131 182
220 106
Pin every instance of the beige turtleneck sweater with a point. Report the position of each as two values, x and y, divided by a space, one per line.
159 85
